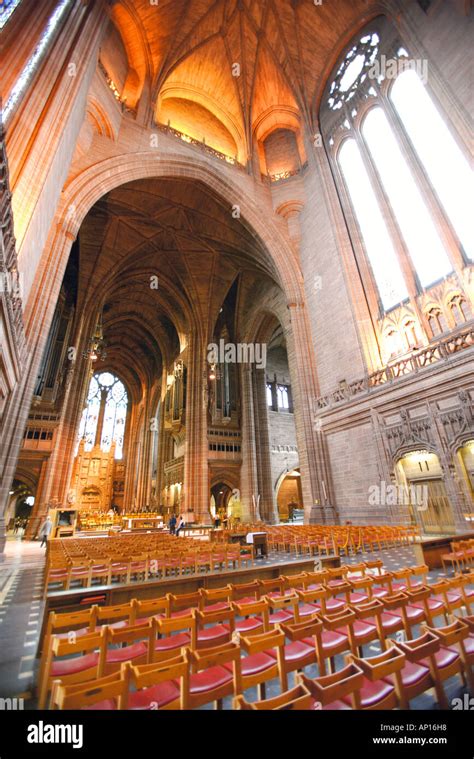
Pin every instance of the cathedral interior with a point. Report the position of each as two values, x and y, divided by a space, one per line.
237 300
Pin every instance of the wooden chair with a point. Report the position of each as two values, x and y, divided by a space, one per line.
305 643
296 699
170 635
283 608
377 692
215 599
421 598
127 644
264 661
215 627
251 618
447 661
243 593
183 604
328 691
116 616
158 686
312 602
214 675
71 661
416 677
142 611
400 616
106 693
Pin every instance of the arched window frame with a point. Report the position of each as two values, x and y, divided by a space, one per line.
347 122
85 413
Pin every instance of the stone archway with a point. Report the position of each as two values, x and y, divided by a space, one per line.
78 198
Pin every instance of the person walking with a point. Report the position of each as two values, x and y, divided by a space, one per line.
45 530
172 524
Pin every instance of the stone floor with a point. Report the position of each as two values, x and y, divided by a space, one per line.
21 610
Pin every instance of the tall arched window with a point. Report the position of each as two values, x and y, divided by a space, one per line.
103 419
405 182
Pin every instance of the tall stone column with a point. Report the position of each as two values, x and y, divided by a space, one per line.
268 505
196 471
248 475
40 508
314 465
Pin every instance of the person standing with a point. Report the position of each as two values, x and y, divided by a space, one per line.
181 524
172 524
45 530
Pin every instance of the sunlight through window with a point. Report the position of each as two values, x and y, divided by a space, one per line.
444 162
424 245
378 244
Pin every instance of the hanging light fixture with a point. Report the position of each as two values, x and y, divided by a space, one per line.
96 346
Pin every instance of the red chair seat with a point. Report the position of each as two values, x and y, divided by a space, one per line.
399 587
247 625
433 605
209 679
63 667
444 657
334 604
415 613
412 673
181 613
172 641
356 598
335 583
331 639
372 693
217 634
219 606
379 592
453 597
255 663
305 610
247 600
127 653
390 621
362 629
280 616
160 694
295 651
469 645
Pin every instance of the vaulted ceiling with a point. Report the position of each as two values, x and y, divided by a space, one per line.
159 256
239 59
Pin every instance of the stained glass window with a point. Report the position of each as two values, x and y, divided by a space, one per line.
105 388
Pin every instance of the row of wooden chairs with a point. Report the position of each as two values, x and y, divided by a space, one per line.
460 557
212 617
193 678
158 565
